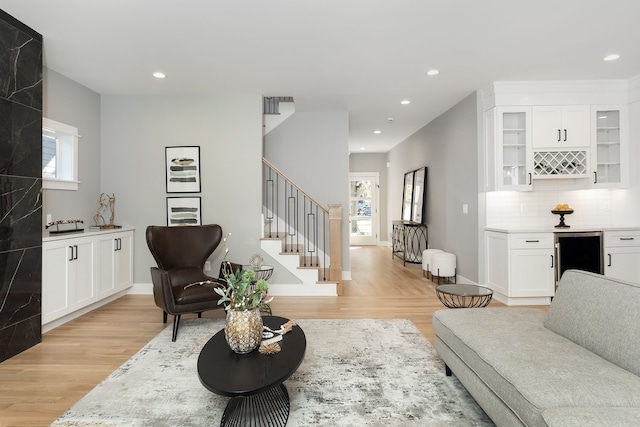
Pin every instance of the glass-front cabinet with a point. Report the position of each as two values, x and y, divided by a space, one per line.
609 151
514 151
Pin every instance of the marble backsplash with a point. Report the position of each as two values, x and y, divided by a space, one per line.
20 187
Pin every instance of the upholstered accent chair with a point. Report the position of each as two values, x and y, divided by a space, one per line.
179 283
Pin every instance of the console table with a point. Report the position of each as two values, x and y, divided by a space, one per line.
409 239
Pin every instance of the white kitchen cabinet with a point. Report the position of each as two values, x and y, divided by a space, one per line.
561 127
511 129
622 255
79 270
609 146
68 276
520 267
114 263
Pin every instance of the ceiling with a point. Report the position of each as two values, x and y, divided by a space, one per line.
360 56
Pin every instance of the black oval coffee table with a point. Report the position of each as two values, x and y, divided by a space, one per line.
253 381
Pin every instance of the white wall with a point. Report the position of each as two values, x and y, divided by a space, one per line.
448 147
228 129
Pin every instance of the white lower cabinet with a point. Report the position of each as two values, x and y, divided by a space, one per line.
622 255
114 263
520 267
79 270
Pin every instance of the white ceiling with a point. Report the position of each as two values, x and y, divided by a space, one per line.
361 56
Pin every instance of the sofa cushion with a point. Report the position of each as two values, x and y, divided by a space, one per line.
600 314
592 417
529 367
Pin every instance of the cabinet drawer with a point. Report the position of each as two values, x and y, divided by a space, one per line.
531 241
621 238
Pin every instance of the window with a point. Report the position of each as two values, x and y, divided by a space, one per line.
59 155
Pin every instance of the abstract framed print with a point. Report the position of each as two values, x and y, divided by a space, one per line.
183 169
184 211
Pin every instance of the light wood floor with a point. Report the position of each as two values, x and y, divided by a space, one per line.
38 385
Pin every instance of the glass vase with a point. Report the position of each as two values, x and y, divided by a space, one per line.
243 330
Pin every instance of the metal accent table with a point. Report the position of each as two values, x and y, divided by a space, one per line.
253 381
409 239
464 296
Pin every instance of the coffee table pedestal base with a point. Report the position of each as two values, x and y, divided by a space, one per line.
269 408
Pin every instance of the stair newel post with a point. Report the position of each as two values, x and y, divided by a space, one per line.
335 229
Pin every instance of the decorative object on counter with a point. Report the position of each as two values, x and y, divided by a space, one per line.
105 202
65 226
562 210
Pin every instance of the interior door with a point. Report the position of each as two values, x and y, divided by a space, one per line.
363 208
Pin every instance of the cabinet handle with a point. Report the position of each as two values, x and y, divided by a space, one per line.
76 249
530 181
559 135
116 244
565 134
626 238
609 265
119 244
595 177
71 253
551 261
532 241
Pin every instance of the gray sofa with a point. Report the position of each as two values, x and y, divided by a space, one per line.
576 365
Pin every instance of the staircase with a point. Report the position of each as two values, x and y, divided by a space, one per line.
276 109
302 236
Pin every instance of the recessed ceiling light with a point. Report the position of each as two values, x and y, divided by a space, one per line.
377 131
159 75
611 57
405 102
362 148
433 72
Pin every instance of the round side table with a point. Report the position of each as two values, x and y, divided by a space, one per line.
464 296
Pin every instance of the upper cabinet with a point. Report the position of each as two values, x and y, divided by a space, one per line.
555 130
609 146
513 148
561 126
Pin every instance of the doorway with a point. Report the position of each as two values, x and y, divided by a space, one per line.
364 220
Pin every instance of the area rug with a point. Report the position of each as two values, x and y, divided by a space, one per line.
355 373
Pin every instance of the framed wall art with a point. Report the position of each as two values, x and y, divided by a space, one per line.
183 169
184 211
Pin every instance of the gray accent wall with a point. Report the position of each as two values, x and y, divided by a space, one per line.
70 103
448 147
311 148
134 133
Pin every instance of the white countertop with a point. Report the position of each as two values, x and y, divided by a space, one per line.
552 229
48 237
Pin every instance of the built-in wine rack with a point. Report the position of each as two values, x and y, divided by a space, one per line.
555 163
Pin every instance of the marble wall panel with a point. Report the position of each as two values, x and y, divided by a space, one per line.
20 80
19 337
20 187
20 140
20 286
20 212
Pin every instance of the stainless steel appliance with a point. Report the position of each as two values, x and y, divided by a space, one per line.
580 251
